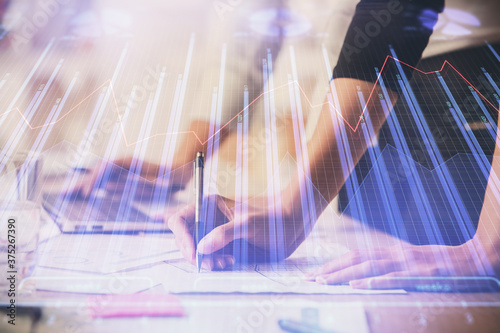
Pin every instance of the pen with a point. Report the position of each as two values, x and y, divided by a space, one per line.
198 223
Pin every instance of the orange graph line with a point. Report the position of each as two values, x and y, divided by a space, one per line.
354 129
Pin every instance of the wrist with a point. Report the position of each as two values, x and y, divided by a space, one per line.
488 252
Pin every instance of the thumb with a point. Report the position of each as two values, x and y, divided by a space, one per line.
217 239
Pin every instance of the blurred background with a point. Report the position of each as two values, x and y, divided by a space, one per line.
72 70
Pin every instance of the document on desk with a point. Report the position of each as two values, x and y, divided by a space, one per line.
104 253
49 279
287 277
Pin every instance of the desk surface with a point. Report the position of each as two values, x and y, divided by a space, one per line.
414 312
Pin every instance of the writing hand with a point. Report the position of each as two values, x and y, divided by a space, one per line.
267 240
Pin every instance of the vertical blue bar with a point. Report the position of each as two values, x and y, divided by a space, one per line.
383 182
244 177
444 176
479 156
491 81
451 192
280 238
492 130
352 183
213 145
471 140
269 162
493 51
298 152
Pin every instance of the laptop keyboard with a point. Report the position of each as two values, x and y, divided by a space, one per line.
73 208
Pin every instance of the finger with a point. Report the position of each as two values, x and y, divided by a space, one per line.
230 261
365 269
185 216
217 239
309 277
227 211
180 224
349 259
186 249
207 263
223 261
219 262
393 280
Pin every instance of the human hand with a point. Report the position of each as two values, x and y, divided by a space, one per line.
228 225
387 268
110 176
182 224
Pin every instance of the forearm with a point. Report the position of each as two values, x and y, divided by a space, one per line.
327 174
487 238
404 33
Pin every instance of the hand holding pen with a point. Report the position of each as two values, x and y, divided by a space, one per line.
189 224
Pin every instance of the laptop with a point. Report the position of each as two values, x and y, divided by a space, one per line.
113 211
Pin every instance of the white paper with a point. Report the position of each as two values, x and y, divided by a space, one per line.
101 253
288 277
106 254
49 279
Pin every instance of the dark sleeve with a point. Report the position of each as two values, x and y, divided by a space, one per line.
404 25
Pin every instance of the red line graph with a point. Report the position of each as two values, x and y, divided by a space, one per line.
354 129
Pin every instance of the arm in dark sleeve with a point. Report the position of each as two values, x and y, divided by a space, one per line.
406 25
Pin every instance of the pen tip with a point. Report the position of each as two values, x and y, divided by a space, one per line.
199 259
